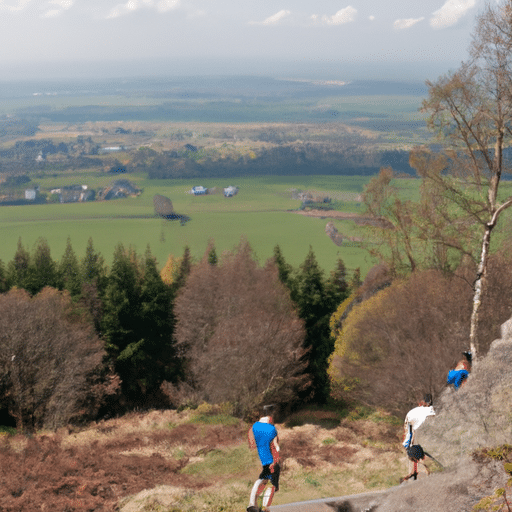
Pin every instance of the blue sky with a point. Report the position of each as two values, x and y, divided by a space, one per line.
235 34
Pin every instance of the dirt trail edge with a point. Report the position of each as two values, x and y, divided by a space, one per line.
366 501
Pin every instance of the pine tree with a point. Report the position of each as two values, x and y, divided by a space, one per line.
3 278
184 269
69 271
43 271
121 314
284 269
18 269
158 361
92 267
137 325
315 308
212 254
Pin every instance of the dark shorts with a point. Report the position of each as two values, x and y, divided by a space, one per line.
266 474
415 452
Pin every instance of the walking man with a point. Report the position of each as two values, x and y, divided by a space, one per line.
414 419
263 436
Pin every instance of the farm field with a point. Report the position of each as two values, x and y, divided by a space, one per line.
260 212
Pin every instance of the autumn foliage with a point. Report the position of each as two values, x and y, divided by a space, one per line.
239 333
50 360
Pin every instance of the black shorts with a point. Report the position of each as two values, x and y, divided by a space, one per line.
266 474
415 452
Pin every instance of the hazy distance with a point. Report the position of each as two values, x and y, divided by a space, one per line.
346 40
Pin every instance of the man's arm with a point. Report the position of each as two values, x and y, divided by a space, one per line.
274 448
250 439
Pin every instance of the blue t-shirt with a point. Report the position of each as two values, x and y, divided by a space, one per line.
264 433
456 377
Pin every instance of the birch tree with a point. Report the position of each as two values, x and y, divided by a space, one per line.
470 110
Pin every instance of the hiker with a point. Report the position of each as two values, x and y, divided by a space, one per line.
416 454
263 436
460 372
414 419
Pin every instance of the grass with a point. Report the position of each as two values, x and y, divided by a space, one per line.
259 212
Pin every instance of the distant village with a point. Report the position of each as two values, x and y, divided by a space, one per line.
74 194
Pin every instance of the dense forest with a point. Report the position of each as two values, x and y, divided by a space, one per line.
150 339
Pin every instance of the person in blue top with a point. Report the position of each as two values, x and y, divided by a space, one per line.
263 436
459 373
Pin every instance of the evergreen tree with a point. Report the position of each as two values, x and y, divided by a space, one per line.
284 269
93 279
19 268
69 271
337 288
137 325
121 315
315 308
184 270
92 267
157 361
212 254
3 278
43 270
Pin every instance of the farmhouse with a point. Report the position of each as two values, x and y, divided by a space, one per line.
199 191
30 194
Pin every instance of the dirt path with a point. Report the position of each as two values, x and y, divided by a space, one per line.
329 214
363 501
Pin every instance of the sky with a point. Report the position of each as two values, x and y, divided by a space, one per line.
383 37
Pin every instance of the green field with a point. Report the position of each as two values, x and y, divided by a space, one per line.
260 212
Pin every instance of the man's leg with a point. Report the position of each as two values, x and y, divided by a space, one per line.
267 497
257 489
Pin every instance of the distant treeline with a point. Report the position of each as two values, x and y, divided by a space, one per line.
285 160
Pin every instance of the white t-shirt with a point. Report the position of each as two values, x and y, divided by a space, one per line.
415 417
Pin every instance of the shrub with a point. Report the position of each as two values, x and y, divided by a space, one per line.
50 358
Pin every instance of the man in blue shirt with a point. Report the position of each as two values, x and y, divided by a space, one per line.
263 436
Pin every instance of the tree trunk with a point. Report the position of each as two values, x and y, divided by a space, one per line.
479 287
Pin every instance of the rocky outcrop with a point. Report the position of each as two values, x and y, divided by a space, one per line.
479 414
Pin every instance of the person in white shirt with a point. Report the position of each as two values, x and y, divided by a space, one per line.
414 419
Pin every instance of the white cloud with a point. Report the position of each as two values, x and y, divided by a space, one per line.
135 5
451 12
406 23
371 18
276 18
19 5
63 5
345 15
167 5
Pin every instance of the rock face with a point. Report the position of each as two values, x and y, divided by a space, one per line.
479 414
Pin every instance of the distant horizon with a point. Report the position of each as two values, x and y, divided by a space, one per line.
196 67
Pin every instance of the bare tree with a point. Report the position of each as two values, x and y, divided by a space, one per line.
471 110
49 358
238 330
